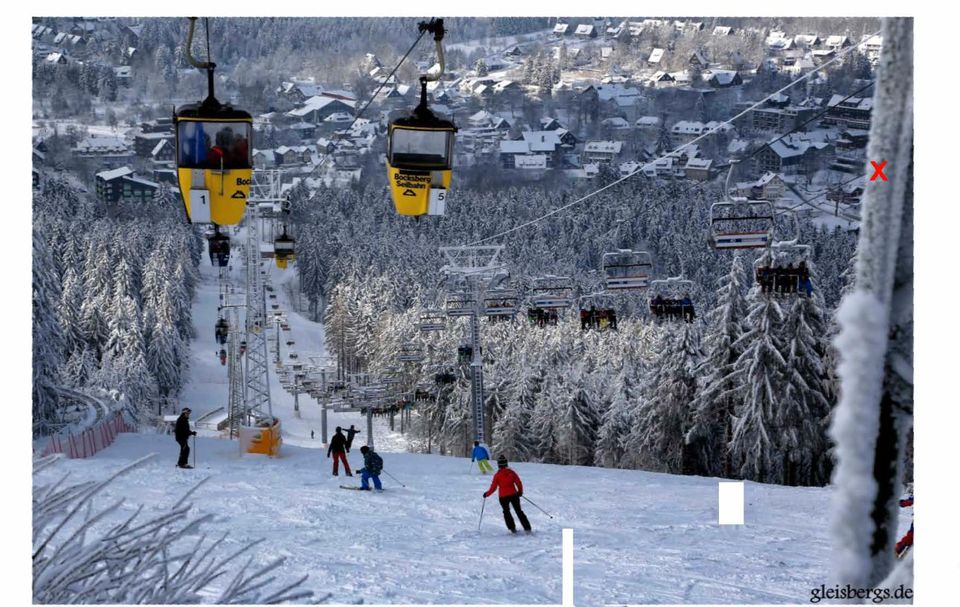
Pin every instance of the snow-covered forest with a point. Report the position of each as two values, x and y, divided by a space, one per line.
652 397
111 300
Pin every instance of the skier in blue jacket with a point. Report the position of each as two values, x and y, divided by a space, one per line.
482 457
372 465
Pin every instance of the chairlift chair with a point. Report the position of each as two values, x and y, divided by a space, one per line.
552 292
410 352
460 303
741 224
432 320
597 312
783 271
500 303
627 269
670 299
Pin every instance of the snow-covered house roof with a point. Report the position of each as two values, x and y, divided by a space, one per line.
114 173
585 30
542 141
560 28
806 39
519 146
723 77
603 147
615 122
648 121
656 55
859 103
837 41
722 30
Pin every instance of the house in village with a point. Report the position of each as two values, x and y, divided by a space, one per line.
656 56
792 156
103 147
122 184
293 155
837 43
316 109
723 30
852 113
661 78
561 29
724 78
586 31
770 186
163 152
263 159
601 151
145 142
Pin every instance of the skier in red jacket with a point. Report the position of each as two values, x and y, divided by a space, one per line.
907 540
511 489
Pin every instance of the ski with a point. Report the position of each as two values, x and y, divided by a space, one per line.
358 488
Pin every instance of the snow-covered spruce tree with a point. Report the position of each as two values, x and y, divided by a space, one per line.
664 417
712 426
68 313
615 422
136 560
760 373
578 419
805 404
48 342
166 351
512 432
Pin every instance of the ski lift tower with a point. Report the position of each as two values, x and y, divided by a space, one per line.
477 267
257 404
236 409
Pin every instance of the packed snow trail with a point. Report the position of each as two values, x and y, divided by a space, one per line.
639 537
206 389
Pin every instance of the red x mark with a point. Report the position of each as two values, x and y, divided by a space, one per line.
879 170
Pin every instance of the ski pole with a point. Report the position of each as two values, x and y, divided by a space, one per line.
537 507
393 477
194 450
471 466
483 504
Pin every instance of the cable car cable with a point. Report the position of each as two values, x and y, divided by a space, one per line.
689 143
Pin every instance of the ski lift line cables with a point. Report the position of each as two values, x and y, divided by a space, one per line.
369 101
667 155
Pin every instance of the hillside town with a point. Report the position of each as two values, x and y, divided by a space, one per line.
579 100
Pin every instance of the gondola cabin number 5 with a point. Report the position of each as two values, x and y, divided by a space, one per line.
438 201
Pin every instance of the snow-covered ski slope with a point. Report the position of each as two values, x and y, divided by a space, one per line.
206 389
639 537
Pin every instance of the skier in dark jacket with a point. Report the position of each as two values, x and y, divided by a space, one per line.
511 490
338 446
351 432
182 433
372 465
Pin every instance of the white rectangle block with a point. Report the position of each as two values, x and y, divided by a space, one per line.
567 560
731 503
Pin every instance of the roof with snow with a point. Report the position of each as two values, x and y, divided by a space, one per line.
114 173
656 55
603 147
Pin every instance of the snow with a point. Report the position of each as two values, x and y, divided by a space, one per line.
863 320
639 537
